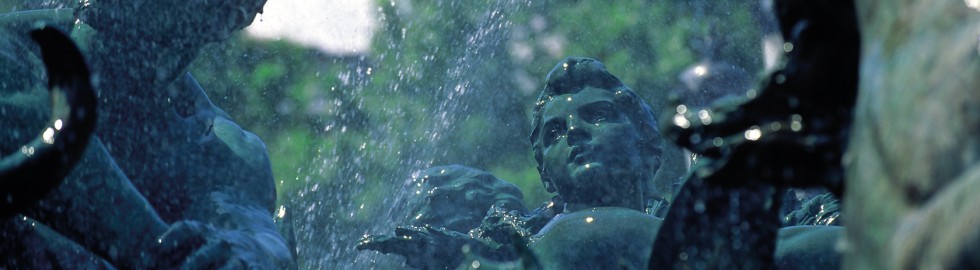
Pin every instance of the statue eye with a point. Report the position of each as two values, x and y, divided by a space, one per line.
601 115
603 112
554 131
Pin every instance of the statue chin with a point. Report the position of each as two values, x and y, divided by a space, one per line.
589 170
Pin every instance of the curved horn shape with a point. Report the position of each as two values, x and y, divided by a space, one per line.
41 165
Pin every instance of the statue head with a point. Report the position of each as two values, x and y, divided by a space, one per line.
595 141
458 197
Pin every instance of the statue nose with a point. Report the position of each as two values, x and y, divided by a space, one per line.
578 135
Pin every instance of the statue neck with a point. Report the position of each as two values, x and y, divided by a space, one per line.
632 201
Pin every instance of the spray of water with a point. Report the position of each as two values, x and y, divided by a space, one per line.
326 219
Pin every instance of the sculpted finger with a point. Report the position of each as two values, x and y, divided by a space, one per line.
382 243
180 241
411 232
214 255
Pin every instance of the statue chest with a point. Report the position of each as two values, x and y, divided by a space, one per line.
597 238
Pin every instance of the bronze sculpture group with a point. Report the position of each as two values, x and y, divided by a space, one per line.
151 205
596 144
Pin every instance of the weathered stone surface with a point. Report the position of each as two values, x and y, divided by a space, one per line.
912 167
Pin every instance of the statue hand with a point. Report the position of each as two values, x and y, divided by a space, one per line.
218 253
197 245
179 242
424 247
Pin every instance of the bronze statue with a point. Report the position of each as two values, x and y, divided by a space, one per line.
47 159
169 180
596 144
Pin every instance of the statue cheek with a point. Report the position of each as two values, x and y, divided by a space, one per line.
553 154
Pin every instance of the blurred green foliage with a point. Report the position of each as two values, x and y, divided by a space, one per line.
293 96
443 83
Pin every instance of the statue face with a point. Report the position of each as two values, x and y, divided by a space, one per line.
590 150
